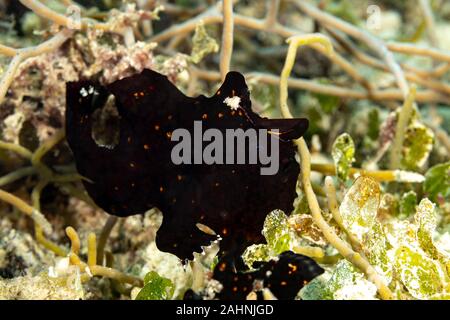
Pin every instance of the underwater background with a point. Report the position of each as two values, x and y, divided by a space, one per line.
371 208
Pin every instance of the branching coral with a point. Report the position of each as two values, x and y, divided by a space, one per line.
47 176
91 268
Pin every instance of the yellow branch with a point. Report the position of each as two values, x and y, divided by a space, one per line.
400 129
45 12
227 38
16 175
117 275
45 147
309 251
60 19
25 53
16 202
76 261
407 48
49 245
40 223
38 230
74 240
24 152
92 250
94 269
334 209
379 175
24 207
7 51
